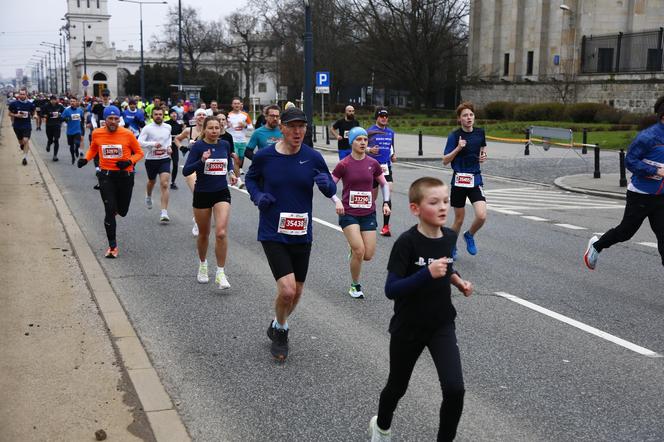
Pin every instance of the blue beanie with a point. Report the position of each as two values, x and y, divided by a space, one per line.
111 110
356 132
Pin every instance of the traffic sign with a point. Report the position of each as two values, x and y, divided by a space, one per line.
85 83
323 82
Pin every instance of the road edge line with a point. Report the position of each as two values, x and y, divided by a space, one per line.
151 393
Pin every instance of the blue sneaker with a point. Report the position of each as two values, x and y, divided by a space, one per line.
470 243
455 254
591 255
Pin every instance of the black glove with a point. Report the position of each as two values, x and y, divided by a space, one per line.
81 162
265 200
184 150
123 164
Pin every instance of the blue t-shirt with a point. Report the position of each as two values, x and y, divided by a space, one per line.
263 137
73 118
384 139
134 120
468 159
26 109
290 180
210 174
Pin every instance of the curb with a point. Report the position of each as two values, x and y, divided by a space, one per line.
162 416
558 182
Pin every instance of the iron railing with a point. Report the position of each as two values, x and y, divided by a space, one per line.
622 52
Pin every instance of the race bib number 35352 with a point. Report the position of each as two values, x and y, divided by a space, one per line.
293 223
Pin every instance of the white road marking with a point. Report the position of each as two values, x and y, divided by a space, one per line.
580 325
504 211
570 226
534 218
598 233
648 244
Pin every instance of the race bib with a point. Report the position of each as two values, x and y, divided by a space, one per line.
346 134
159 152
464 180
385 169
23 114
55 114
75 117
216 166
111 151
293 223
359 200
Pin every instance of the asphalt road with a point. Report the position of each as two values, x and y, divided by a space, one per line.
529 376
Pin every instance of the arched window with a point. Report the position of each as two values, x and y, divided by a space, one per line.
99 76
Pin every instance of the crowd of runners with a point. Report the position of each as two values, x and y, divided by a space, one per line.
281 179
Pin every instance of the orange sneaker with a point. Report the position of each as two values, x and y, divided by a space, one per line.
385 231
111 252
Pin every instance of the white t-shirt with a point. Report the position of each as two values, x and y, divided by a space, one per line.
152 134
239 135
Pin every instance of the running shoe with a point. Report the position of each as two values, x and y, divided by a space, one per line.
355 291
470 243
39 128
591 255
385 231
111 252
279 338
24 162
164 219
221 281
376 434
194 229
48 148
202 276
55 159
174 186
96 187
148 201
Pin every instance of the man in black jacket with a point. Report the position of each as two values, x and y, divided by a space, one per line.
52 112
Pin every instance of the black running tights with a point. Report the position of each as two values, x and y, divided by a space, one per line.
175 156
53 137
404 353
74 142
116 195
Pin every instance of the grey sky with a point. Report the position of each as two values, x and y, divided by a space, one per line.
26 23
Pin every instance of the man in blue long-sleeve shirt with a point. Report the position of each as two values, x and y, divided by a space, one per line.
280 182
645 192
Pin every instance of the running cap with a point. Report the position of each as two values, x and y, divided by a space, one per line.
200 112
356 132
381 111
105 93
292 114
111 110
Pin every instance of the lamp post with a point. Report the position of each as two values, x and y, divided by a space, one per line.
85 45
140 7
63 59
180 73
308 70
55 63
47 64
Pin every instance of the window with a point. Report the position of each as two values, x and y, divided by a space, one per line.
262 87
529 63
99 76
262 70
506 65
654 60
605 60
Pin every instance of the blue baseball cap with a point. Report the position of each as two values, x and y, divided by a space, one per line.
356 132
111 110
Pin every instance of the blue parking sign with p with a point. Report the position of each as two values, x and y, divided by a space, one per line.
322 79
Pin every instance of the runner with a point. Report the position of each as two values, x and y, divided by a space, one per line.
177 125
119 152
266 134
39 102
156 103
645 192
466 150
155 140
280 182
52 113
210 158
97 120
191 133
213 110
229 138
357 208
419 276
340 130
238 124
134 118
21 112
381 147
73 116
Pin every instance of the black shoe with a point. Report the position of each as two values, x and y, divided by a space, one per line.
39 128
73 160
96 187
55 159
24 162
173 186
279 347
48 148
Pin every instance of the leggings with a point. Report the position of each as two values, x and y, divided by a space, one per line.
74 142
175 156
53 136
638 207
116 194
404 353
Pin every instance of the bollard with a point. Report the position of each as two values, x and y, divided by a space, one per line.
526 151
597 173
584 149
327 135
314 127
623 176
419 149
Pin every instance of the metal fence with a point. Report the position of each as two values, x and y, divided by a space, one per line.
622 52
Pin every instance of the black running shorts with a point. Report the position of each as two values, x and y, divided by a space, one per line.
458 195
285 259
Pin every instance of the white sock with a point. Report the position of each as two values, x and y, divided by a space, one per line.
164 212
203 262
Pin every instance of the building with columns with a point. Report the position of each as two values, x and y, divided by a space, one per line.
92 52
566 50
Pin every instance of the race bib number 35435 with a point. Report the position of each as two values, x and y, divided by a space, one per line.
293 223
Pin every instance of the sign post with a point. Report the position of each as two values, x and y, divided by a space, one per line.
322 88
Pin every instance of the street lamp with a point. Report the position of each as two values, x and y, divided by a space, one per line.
308 71
48 69
55 62
140 7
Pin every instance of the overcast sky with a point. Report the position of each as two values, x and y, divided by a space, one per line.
26 23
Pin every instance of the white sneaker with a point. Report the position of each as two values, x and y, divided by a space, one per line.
194 230
240 184
202 276
221 281
148 201
376 434
164 219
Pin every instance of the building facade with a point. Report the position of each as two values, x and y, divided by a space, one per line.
566 50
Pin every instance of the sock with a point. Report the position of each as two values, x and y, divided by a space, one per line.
164 212
278 326
220 269
355 283
386 218
25 156
203 262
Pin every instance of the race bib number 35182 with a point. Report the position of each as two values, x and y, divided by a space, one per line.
293 223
